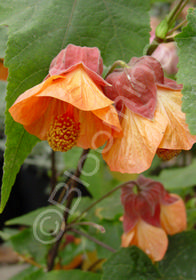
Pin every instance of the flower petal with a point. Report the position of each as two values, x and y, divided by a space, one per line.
152 240
73 55
94 132
134 152
177 135
41 125
77 88
173 216
110 117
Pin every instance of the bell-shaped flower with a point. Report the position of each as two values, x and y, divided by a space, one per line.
149 107
150 213
69 108
173 214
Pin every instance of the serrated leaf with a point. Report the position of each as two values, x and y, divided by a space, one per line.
187 68
129 263
38 30
179 261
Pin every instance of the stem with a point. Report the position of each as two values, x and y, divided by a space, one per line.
172 15
71 183
93 239
117 63
177 27
99 227
170 20
153 46
100 199
54 173
181 8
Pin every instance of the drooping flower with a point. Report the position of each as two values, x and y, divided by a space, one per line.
150 213
173 215
69 108
149 107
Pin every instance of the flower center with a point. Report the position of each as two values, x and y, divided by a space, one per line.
63 133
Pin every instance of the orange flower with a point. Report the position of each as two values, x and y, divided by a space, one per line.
69 108
173 215
150 213
149 106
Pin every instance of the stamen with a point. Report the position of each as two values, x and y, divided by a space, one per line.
63 133
166 154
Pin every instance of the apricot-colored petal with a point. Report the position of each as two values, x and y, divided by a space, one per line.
29 110
134 152
152 240
40 127
78 89
177 135
126 238
93 131
110 117
173 216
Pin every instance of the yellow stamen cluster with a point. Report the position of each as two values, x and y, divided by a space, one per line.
63 133
166 154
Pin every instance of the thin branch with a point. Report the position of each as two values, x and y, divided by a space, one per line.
53 169
177 27
71 183
100 199
93 239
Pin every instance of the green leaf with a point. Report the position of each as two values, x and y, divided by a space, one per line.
40 29
71 274
3 86
28 274
129 263
178 178
26 244
179 261
187 68
7 233
111 207
111 237
3 40
29 218
191 217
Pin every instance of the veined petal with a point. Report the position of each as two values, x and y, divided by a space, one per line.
94 132
134 152
152 240
177 135
110 117
78 89
173 216
28 107
41 125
